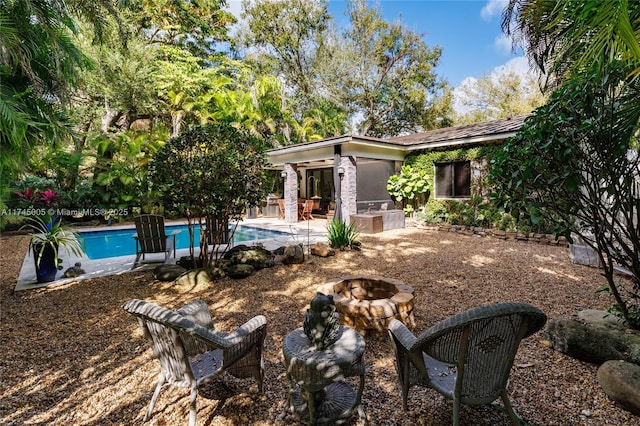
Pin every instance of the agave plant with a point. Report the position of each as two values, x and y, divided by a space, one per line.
341 235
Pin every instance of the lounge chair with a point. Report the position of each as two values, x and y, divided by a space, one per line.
467 357
151 238
192 352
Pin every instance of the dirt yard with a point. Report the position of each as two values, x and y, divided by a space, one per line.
71 356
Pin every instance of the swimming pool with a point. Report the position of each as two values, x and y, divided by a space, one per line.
119 242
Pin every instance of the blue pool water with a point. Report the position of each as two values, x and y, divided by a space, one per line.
120 242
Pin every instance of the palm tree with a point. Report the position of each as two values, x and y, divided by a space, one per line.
563 37
38 61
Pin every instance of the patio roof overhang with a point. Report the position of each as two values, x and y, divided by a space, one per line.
321 153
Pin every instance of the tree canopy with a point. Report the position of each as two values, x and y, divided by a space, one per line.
564 37
576 163
499 95
379 75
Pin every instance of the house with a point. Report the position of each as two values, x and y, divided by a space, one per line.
352 171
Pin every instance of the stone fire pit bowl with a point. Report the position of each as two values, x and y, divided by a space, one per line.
368 303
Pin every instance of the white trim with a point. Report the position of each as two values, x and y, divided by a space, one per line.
465 141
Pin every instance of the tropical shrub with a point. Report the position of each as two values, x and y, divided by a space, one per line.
576 161
210 174
121 167
411 187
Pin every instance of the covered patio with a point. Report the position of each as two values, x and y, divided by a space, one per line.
346 175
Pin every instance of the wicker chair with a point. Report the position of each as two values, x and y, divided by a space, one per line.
190 350
466 357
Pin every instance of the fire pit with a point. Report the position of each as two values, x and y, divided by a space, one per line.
369 303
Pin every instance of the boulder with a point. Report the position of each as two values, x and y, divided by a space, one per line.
187 262
194 278
74 271
240 270
168 272
293 254
279 251
620 380
258 257
322 250
217 272
594 342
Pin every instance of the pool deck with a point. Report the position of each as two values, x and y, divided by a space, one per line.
307 232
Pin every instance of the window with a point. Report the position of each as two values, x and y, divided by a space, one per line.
453 180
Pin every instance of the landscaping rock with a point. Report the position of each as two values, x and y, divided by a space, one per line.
322 250
74 271
168 272
620 380
187 262
597 316
258 257
194 278
240 270
594 342
293 255
216 273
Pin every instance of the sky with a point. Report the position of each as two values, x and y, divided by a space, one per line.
468 31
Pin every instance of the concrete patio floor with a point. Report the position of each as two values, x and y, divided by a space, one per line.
305 233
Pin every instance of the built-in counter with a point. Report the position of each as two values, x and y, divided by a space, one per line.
375 221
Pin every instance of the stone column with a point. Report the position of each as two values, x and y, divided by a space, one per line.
290 193
348 189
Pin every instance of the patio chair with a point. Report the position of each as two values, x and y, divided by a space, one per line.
192 352
466 357
151 238
305 213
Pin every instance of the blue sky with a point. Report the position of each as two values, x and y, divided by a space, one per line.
468 31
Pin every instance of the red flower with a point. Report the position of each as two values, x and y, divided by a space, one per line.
27 195
48 197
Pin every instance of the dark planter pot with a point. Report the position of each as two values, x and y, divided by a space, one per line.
46 269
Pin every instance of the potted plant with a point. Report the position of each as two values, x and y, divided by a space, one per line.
48 234
46 240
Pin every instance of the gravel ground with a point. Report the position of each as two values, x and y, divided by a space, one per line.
72 356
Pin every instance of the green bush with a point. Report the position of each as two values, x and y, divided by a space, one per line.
341 235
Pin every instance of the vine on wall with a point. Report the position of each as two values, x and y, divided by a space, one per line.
476 211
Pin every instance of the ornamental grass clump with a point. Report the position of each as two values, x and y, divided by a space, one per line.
341 235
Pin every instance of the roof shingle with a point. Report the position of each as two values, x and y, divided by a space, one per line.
466 131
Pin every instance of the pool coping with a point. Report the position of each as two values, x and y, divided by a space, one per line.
308 232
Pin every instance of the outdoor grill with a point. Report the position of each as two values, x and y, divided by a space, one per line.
271 209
